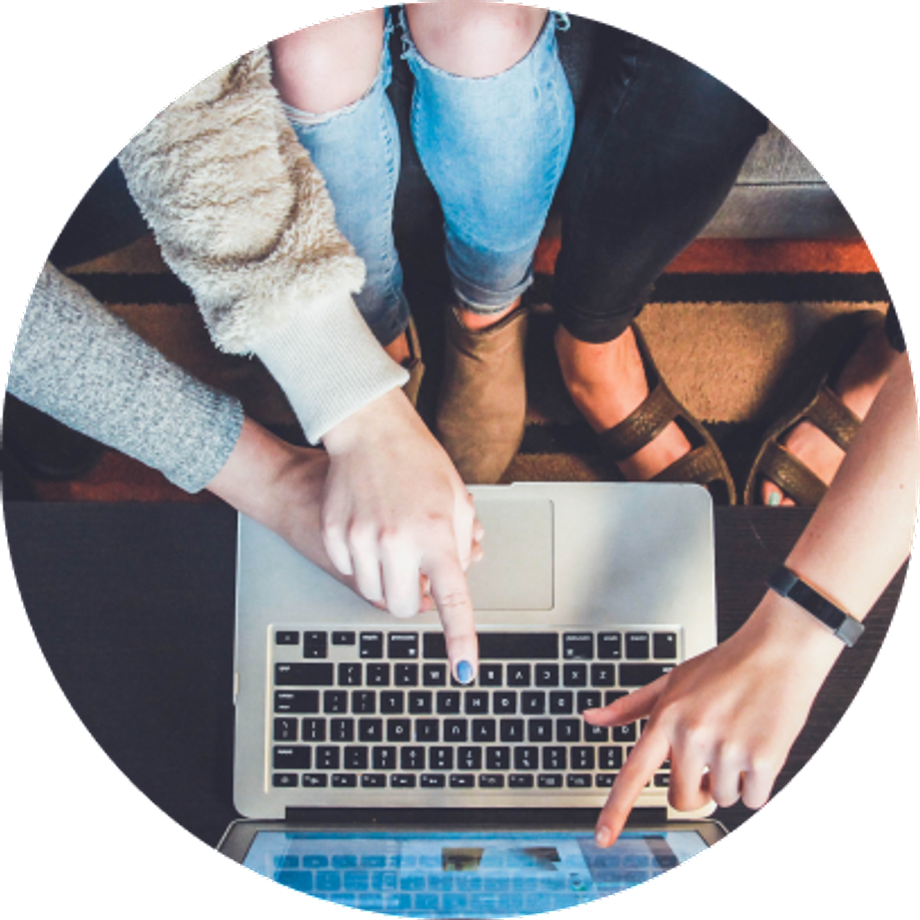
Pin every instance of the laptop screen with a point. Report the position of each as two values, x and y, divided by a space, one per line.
465 874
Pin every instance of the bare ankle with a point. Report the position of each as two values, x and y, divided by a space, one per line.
476 321
399 349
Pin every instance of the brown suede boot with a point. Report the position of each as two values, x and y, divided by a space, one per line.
483 398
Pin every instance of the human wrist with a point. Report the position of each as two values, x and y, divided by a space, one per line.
256 463
370 422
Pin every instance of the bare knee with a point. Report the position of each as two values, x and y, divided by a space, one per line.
330 65
471 38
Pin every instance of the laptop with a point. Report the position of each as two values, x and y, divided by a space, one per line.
367 776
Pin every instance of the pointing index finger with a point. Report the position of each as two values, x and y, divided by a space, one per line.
452 597
650 752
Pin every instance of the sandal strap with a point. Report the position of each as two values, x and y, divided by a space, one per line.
787 472
829 413
641 426
701 465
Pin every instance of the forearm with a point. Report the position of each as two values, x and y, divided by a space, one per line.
243 217
861 532
85 367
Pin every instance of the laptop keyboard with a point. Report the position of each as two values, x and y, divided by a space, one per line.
379 709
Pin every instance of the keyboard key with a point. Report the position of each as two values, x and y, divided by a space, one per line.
341 729
327 758
373 781
297 701
498 758
476 702
568 730
314 780
577 645
378 674
314 644
549 781
363 702
392 702
527 757
581 758
350 674
355 758
462 781
402 781
292 758
602 675
518 675
313 729
370 730
491 781
434 675
399 731
520 781
448 702
638 675
511 731
344 781
609 646
662 780
427 730
343 637
524 646
546 675
405 674
420 702
604 780
596 732
533 702
553 758
412 758
664 645
561 702
490 675
284 780
440 758
402 645
306 674
335 701
432 780
574 675
469 758
578 781
588 699
285 730
455 730
539 730
623 733
287 637
504 702
483 730
637 645
383 758
370 645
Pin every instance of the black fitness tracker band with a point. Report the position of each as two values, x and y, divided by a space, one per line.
787 584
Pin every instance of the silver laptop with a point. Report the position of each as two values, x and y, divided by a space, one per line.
585 591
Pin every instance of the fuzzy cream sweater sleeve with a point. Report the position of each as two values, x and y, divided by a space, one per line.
244 219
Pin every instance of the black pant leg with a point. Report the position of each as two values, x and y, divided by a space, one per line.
657 149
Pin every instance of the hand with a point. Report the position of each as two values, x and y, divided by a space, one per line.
394 511
726 719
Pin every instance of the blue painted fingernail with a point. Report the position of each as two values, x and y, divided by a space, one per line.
465 672
773 499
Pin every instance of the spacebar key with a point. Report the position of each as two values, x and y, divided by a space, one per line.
501 646
638 675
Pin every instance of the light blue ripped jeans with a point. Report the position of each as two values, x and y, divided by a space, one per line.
494 149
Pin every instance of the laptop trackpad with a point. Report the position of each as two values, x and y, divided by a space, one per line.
516 571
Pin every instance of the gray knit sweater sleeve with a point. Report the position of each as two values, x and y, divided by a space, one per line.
87 368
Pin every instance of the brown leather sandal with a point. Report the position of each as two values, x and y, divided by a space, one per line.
821 406
704 463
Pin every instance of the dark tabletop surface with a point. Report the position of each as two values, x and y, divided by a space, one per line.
133 604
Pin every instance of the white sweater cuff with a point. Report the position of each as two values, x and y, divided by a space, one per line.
328 363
